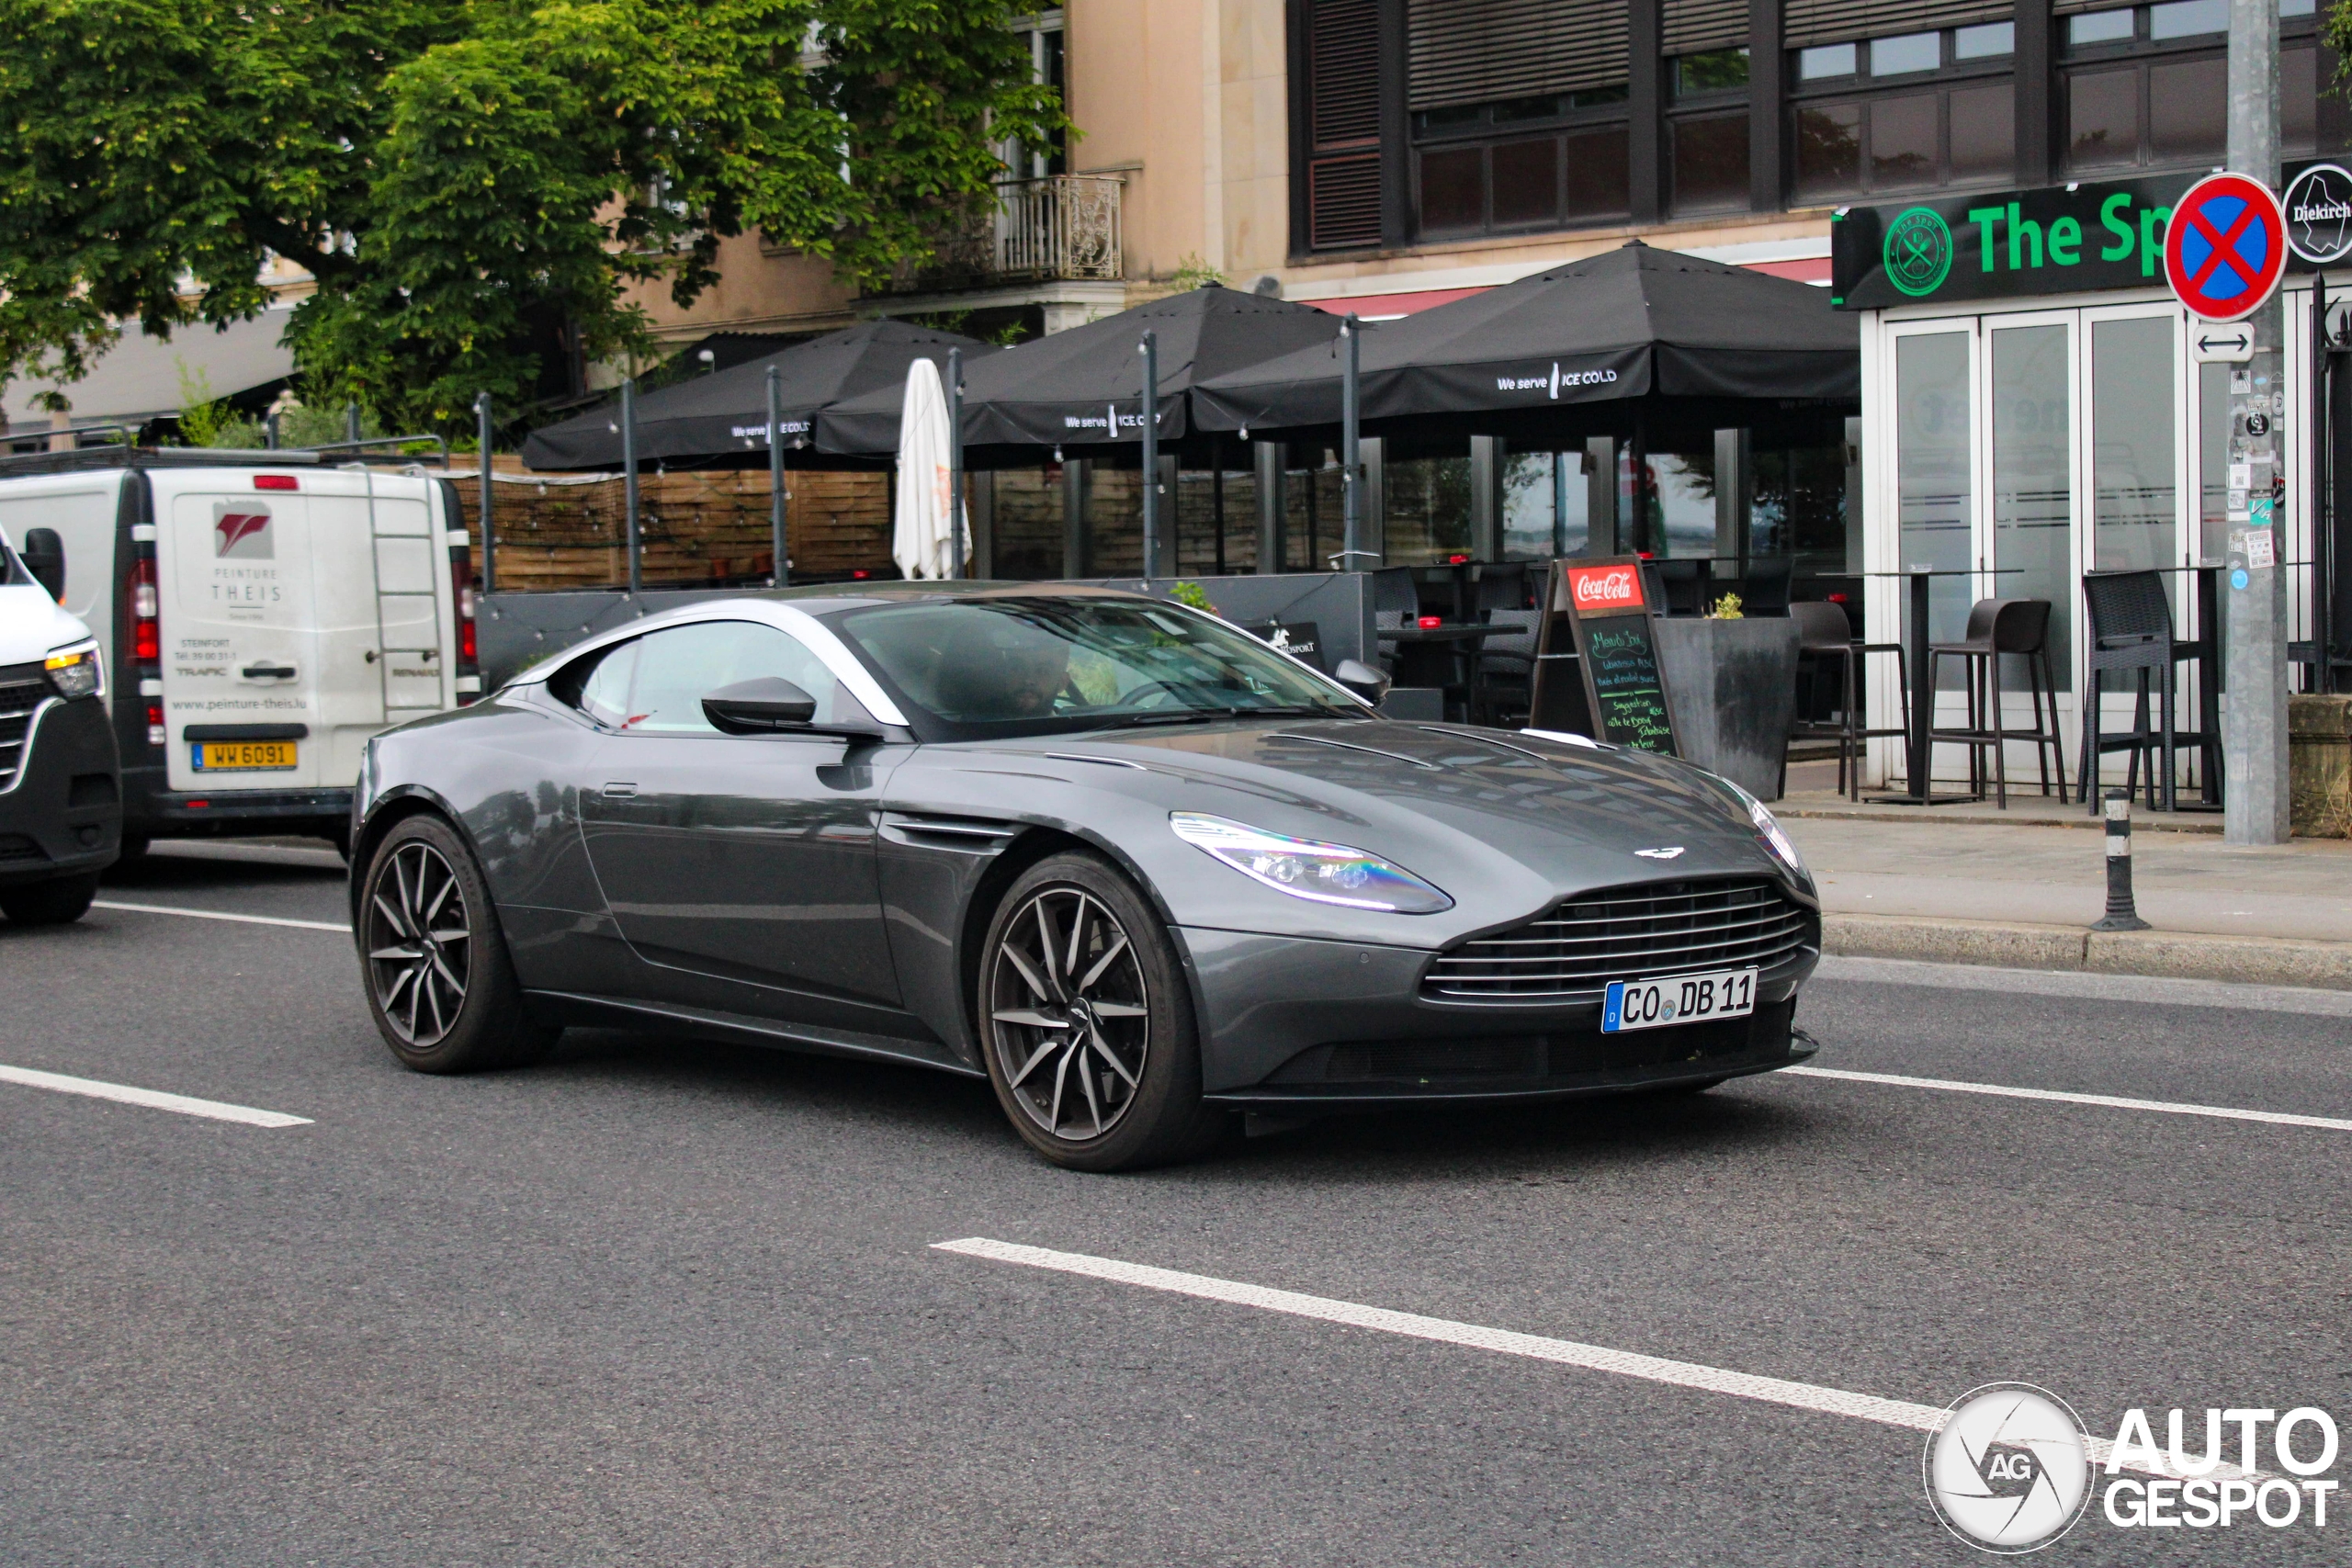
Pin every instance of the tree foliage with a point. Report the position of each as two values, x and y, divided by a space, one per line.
465 181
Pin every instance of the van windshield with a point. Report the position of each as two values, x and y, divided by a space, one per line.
1043 665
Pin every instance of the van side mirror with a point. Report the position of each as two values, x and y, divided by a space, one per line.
1362 679
759 708
44 556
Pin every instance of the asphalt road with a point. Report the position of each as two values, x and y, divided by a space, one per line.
659 1302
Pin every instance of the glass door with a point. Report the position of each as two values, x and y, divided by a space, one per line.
1936 485
2032 390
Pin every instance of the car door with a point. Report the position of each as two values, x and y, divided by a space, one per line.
744 860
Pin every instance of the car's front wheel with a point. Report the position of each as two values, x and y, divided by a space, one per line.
439 980
1086 1023
58 901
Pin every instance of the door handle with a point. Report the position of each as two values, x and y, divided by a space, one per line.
268 671
620 792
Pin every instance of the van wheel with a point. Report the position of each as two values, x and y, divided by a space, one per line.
1086 1025
439 980
56 902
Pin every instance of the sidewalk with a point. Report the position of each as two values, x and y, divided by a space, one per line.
1969 884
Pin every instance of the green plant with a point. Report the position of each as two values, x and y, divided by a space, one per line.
1191 593
206 420
1193 271
1726 609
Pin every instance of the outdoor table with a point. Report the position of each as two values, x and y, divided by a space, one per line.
1921 718
1438 656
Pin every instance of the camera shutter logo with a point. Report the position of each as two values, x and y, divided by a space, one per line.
1917 252
2009 1469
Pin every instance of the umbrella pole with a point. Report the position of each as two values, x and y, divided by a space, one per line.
779 570
1217 495
955 462
482 438
628 482
1351 452
1151 351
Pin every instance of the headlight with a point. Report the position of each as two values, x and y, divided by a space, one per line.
1770 827
1329 873
77 672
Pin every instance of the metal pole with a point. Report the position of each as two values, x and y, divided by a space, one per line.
2322 577
954 462
780 569
1151 351
351 421
1350 450
269 432
2254 801
2120 916
482 438
629 480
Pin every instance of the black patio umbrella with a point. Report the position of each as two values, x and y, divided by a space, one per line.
1084 386
1628 323
725 415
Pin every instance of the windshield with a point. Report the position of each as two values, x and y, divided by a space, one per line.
1034 665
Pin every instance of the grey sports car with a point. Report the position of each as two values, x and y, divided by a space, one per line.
1139 869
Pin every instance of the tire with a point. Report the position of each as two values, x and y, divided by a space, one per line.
59 901
442 987
1135 1099
338 833
134 849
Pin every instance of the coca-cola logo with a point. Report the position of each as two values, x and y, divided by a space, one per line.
1605 588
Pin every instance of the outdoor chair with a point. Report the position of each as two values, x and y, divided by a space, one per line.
2130 628
1825 634
1765 592
1396 599
1504 687
1504 585
1997 626
1678 587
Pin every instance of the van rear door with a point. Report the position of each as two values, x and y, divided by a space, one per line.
381 587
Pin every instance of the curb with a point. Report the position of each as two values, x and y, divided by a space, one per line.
2191 956
2141 821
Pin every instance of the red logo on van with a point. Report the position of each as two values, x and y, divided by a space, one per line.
240 531
1605 587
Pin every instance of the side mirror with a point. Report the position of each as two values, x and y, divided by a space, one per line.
1362 679
44 556
759 708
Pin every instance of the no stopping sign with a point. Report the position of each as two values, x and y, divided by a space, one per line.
2226 248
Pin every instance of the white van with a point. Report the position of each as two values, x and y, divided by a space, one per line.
264 615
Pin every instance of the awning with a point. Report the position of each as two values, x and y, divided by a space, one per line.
139 378
724 414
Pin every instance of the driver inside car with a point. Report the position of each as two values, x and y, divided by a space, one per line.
1007 669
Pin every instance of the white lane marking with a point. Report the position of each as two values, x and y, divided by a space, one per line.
223 915
2112 1101
1537 1347
2142 989
154 1100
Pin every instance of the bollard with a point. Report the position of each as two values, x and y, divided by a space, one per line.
2120 916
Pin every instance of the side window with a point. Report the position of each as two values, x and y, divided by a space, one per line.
604 696
677 668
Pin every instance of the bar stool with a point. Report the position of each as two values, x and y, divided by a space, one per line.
1997 626
1824 632
2131 630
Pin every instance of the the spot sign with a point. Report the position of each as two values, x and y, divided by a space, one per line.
2226 248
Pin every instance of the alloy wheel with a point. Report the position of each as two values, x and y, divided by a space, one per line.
419 946
1069 1015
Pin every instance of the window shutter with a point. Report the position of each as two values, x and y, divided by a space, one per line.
2076 7
1476 52
1343 201
1695 27
1343 123
1806 22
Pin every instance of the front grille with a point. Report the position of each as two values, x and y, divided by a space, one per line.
18 698
1625 933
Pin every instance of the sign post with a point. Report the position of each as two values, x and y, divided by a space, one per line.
1624 691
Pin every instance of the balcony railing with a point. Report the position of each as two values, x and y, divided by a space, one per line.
1042 231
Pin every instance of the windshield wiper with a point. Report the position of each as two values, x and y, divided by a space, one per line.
1158 716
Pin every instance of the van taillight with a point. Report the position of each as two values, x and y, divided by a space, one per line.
147 642
461 593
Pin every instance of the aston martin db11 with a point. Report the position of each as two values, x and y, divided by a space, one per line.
1138 868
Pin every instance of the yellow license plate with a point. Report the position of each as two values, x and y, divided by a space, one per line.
231 756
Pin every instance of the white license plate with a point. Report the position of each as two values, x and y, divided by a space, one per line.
1689 998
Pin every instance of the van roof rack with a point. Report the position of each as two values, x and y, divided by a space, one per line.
116 455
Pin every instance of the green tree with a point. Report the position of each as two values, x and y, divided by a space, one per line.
471 183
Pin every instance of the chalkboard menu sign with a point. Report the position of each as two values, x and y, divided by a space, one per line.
1602 603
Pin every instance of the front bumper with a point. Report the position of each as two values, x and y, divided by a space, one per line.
1294 1023
63 815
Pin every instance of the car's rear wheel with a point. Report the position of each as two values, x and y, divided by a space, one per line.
439 980
58 901
1086 1024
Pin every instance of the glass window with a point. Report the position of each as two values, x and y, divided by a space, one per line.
1711 162
1829 151
2189 19
1901 56
1598 184
1825 60
1934 491
2296 8
1800 506
1902 141
1545 496
605 696
1518 109
1527 181
1428 502
677 668
1984 42
2299 102
2133 494
1683 495
2103 118
2100 26
1452 193
2033 477
1450 118
2188 110
1983 133
1725 70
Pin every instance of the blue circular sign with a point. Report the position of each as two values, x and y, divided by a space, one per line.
2226 248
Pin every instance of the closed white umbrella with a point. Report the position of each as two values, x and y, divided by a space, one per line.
919 540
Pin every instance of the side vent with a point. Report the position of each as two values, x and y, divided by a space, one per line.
966 835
